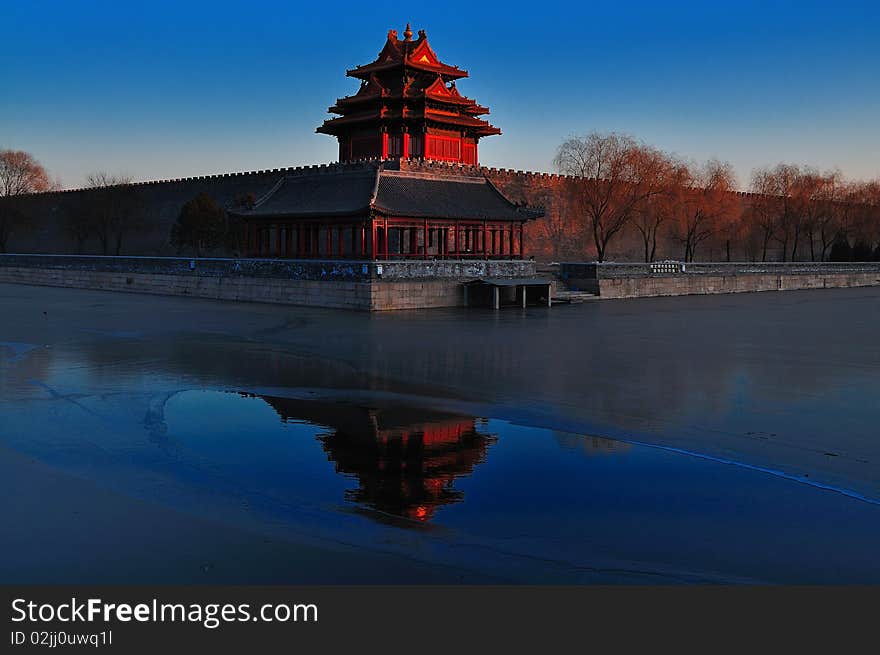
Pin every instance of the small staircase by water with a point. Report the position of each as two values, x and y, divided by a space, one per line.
562 293
566 296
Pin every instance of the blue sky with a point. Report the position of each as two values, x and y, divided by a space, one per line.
167 89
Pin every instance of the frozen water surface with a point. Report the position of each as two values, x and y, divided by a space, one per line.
727 439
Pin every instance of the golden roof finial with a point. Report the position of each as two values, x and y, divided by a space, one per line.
407 33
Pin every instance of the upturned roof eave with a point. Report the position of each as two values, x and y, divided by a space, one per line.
362 72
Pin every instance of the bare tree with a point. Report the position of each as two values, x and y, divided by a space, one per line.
617 179
556 232
863 212
659 209
828 220
761 211
112 210
20 174
706 202
785 179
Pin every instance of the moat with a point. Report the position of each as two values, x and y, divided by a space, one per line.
680 440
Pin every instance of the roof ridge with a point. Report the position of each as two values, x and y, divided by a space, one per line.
375 194
271 191
467 179
526 208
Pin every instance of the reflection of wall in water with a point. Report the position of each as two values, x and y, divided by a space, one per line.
655 366
591 445
406 460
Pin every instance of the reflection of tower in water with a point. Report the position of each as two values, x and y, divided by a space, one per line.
406 460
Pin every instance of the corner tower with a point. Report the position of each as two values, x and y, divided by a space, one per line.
408 106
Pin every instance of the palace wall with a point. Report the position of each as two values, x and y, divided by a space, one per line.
551 238
46 214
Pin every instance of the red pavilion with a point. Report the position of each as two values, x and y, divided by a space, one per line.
383 200
408 106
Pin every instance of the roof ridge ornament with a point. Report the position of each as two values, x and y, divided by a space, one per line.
392 35
407 33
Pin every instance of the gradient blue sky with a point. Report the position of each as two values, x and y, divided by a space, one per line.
165 89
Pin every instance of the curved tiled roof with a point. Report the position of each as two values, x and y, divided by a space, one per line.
422 196
406 53
343 193
360 192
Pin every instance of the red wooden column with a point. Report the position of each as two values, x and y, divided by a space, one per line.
455 239
485 233
363 239
520 240
278 239
425 248
373 241
384 145
405 153
329 241
510 251
386 239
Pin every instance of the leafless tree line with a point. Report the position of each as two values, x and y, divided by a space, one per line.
109 210
109 213
112 212
624 191
676 208
809 214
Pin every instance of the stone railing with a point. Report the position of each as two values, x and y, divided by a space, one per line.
614 270
671 278
293 269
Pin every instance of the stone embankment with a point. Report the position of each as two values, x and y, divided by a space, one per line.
357 285
670 278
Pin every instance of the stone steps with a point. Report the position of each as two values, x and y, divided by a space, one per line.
572 297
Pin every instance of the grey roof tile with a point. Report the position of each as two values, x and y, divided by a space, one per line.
413 195
421 196
324 194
